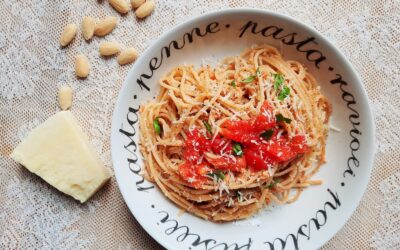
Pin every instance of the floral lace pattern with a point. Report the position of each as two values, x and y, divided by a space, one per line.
33 66
387 234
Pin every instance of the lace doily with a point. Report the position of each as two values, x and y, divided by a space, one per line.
33 67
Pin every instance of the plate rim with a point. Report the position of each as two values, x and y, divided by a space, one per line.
209 15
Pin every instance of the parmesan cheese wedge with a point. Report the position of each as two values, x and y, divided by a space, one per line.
60 153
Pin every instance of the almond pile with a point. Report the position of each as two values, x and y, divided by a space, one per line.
100 28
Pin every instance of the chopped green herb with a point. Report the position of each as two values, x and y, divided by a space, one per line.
218 175
284 90
281 118
237 149
239 195
233 83
249 79
157 126
208 126
278 81
267 134
284 93
273 183
258 73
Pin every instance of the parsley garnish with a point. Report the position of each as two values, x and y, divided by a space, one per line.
239 195
156 125
252 77
233 83
267 134
237 149
249 79
284 93
208 126
284 90
281 118
278 81
273 183
258 73
218 175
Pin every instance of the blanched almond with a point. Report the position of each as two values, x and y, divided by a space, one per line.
136 3
109 48
68 34
127 56
65 97
105 26
88 25
120 5
145 9
81 66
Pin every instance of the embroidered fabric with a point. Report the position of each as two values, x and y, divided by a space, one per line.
33 66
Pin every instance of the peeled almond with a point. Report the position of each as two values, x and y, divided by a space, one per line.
68 34
81 66
120 5
145 9
65 97
109 48
105 26
127 56
136 3
88 26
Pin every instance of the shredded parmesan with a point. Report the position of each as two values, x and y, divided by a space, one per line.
336 129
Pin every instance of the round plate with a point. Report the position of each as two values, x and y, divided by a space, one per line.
321 210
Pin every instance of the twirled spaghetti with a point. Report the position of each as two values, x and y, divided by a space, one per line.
224 142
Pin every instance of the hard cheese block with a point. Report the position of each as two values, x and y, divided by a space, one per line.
60 153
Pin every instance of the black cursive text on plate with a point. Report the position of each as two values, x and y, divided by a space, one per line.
156 62
312 55
354 146
132 118
304 230
183 233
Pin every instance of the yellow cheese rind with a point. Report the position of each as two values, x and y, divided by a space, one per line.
60 153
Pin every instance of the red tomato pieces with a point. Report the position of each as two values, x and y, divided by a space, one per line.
256 159
194 174
279 151
221 145
299 144
225 162
203 155
195 145
247 131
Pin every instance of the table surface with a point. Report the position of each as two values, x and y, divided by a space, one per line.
33 67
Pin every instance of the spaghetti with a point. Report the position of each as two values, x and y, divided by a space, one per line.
223 143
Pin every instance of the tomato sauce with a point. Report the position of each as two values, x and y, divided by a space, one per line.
262 146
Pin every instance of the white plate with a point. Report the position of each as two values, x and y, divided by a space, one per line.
321 210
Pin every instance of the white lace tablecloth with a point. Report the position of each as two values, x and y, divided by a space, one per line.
33 66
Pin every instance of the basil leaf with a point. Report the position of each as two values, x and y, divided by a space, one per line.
278 81
284 93
218 175
258 73
237 149
239 195
208 126
233 83
249 79
267 134
281 118
156 125
273 183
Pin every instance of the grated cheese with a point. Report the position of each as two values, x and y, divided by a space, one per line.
336 129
